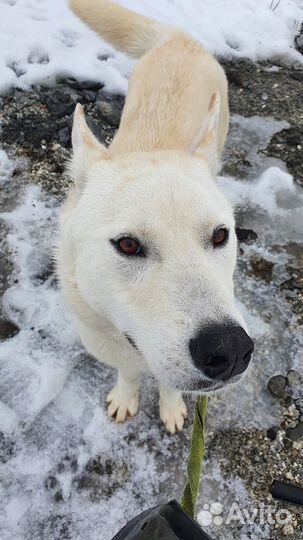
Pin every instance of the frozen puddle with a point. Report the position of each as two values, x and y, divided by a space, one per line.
68 471
256 133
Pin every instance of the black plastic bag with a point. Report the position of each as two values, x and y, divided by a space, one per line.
163 522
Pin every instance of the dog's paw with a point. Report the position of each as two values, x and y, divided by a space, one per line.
122 404
173 415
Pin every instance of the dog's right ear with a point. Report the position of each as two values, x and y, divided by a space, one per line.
86 148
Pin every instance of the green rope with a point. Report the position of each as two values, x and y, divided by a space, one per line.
195 460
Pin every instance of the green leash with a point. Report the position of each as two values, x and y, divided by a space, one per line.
195 459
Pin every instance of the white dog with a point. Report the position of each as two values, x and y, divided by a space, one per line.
147 245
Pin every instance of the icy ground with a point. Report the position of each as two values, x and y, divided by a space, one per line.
69 472
48 40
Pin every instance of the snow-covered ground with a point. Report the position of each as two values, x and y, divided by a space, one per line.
42 39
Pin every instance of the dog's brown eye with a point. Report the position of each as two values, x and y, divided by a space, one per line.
129 246
220 236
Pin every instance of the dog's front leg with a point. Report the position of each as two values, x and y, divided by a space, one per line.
172 409
109 346
123 400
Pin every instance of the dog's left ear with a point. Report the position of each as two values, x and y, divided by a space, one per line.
86 148
205 144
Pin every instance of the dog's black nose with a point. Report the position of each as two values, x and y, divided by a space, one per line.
221 351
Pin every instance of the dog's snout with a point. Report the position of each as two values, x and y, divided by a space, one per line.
221 351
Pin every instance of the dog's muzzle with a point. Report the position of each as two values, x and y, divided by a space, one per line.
222 352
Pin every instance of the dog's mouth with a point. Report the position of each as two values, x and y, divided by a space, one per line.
197 384
206 386
131 341
201 386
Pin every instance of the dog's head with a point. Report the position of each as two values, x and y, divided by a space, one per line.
154 250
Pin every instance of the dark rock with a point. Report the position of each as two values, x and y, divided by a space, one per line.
89 85
246 235
62 103
80 85
272 433
276 386
64 136
295 433
110 110
68 122
89 95
291 136
69 81
8 329
256 456
235 77
96 129
287 145
262 268
294 378
288 401
299 40
288 444
297 75
299 404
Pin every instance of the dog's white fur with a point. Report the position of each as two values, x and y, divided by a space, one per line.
157 182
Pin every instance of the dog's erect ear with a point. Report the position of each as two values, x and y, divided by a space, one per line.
205 144
86 148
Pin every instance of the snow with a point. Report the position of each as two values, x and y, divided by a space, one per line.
6 167
52 414
42 39
275 192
